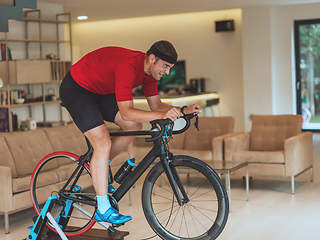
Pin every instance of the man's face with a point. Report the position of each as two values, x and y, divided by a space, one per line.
159 68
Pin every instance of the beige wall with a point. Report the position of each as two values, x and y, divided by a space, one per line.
215 56
256 62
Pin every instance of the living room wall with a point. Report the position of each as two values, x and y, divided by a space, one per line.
214 56
268 58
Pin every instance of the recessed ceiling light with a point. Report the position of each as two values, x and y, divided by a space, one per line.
82 17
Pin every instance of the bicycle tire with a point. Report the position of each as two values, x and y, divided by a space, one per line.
53 162
154 189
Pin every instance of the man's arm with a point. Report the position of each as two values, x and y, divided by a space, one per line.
158 110
131 114
155 104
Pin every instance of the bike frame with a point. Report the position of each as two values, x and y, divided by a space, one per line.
159 149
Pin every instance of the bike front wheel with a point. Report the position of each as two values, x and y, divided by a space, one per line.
203 217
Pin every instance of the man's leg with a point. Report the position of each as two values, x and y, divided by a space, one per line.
99 166
101 143
121 143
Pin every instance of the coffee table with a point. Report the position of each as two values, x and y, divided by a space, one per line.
227 167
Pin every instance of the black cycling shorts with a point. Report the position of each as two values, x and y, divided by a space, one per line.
87 109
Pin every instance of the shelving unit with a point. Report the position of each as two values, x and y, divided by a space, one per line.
55 68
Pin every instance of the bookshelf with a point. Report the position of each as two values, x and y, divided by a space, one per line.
45 54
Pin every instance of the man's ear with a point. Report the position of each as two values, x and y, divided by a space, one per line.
152 58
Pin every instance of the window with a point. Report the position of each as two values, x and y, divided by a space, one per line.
307 59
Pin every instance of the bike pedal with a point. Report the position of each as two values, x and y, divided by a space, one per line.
117 225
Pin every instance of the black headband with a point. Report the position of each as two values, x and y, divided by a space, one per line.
167 58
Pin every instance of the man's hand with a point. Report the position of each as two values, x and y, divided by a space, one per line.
194 108
173 114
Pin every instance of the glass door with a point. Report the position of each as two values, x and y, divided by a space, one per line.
307 59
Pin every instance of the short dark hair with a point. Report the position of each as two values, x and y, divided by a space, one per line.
164 50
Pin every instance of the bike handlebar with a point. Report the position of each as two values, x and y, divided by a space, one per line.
163 123
187 118
159 128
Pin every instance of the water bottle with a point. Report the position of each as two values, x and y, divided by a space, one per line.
124 170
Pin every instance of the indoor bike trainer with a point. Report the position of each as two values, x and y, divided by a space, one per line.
40 232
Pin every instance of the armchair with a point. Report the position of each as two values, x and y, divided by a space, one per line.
206 144
276 146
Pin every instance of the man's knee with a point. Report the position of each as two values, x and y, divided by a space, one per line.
99 139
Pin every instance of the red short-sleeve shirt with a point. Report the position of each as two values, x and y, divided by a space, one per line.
114 70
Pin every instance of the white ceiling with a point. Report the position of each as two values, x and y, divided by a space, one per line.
107 9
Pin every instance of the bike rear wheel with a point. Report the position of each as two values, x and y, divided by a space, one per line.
202 218
49 177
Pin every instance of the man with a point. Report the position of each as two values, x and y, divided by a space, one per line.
99 88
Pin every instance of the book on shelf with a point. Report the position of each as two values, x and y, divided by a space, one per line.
3 52
15 125
4 119
10 97
9 54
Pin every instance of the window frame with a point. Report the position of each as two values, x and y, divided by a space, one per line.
297 24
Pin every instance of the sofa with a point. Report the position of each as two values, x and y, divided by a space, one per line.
275 147
21 151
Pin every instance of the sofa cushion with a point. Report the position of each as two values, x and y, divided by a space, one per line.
260 169
67 138
22 200
6 157
27 149
210 127
269 131
23 183
258 156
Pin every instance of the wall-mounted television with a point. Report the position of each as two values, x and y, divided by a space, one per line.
176 78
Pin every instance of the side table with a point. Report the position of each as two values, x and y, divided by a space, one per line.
227 167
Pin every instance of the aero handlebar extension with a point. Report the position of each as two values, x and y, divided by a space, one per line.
159 128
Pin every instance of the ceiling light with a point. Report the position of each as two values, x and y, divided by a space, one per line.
82 17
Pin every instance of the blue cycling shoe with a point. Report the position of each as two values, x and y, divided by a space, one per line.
112 216
111 188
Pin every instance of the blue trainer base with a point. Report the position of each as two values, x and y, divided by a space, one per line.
42 219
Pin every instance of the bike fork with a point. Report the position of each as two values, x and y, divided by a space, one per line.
175 182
